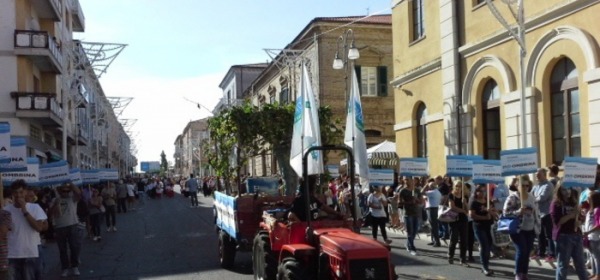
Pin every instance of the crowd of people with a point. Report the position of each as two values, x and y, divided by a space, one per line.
33 217
564 221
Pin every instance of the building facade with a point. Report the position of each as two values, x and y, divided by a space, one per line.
457 80
189 157
49 91
317 45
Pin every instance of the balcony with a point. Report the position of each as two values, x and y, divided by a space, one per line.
39 106
77 135
78 18
48 9
41 48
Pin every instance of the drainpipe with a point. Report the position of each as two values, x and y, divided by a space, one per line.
457 74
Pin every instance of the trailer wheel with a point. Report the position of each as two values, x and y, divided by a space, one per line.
263 261
226 250
292 269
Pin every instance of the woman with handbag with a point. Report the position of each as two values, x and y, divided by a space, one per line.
523 206
566 231
483 218
377 202
457 200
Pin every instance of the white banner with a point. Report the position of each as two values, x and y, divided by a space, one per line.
579 172
334 170
90 176
487 171
54 173
460 165
108 174
381 177
414 167
519 161
75 175
4 142
354 136
18 156
30 176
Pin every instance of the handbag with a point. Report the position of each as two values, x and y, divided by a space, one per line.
446 214
509 224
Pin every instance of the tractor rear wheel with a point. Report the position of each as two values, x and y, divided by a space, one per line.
226 250
263 260
291 269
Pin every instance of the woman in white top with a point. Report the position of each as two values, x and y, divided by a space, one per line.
592 230
376 202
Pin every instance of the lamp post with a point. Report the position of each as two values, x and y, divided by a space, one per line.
349 54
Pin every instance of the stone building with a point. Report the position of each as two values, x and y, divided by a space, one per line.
317 45
457 80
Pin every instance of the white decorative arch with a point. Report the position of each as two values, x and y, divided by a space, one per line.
478 66
582 38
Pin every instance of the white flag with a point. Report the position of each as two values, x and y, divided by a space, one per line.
354 136
307 131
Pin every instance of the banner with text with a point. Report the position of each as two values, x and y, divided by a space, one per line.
414 167
30 176
334 170
18 156
75 174
266 185
487 172
519 161
381 177
4 142
54 173
460 165
108 174
90 176
579 172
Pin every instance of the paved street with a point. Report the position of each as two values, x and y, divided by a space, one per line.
168 240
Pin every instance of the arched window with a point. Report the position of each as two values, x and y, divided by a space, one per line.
422 131
491 120
566 127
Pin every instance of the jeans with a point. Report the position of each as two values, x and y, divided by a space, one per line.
141 197
95 220
458 231
194 198
484 236
570 246
545 237
432 215
523 242
595 252
378 222
444 232
22 269
412 225
122 205
69 240
111 216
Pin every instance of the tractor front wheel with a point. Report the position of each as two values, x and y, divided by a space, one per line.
291 269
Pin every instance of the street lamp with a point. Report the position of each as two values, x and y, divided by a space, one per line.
349 52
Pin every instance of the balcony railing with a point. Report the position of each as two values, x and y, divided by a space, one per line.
78 18
48 9
40 106
41 47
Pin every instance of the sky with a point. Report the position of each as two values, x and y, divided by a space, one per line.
180 50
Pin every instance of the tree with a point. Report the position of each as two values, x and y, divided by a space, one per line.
241 132
164 165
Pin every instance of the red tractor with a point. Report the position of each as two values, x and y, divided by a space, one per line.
317 249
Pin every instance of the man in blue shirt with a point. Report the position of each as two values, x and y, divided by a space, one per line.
192 187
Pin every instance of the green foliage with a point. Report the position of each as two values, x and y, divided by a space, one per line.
164 165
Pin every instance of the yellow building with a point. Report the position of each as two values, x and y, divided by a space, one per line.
454 62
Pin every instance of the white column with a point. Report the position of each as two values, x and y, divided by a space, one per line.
592 77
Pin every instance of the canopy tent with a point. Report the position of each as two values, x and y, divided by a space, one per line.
383 154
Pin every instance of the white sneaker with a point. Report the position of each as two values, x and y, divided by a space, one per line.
64 273
413 253
108 229
75 271
95 238
114 228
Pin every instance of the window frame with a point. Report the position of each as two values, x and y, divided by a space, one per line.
491 105
418 20
421 135
564 90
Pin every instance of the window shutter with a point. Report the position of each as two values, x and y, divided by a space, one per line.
382 84
358 78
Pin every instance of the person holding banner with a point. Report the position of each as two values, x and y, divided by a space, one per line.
483 217
28 220
566 217
523 205
457 201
